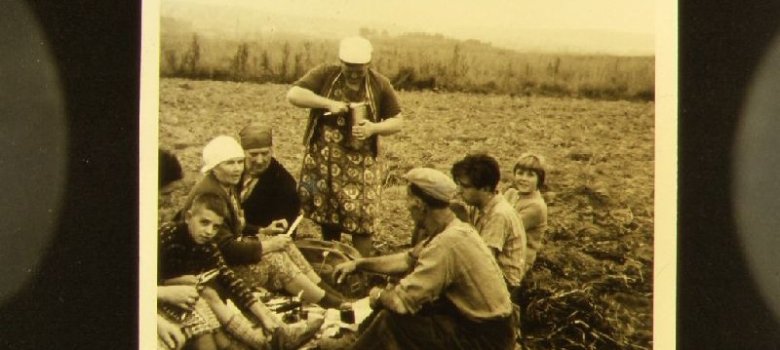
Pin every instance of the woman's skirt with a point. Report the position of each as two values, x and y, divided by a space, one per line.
340 186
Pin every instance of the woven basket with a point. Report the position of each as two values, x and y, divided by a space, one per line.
325 255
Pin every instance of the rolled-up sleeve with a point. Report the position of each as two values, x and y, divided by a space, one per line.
314 79
494 231
389 105
431 274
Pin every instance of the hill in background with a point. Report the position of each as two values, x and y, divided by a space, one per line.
241 22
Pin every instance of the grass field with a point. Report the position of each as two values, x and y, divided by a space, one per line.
591 287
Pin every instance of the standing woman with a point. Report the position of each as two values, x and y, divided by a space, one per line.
351 106
525 196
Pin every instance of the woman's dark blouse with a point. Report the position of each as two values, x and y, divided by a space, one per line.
274 197
179 255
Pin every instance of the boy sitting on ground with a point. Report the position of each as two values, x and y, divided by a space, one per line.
186 250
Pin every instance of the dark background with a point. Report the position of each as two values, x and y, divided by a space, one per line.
86 293
720 44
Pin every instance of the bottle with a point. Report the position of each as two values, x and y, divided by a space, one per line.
347 313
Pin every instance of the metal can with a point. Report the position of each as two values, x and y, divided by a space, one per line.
358 111
347 313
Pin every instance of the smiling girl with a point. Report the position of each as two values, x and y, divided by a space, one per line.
525 196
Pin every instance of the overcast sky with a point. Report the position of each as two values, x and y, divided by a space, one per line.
631 16
478 19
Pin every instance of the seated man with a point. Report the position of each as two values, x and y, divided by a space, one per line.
453 295
185 250
495 219
273 263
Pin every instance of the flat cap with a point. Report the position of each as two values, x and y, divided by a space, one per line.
433 182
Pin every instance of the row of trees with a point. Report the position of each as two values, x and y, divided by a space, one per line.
416 61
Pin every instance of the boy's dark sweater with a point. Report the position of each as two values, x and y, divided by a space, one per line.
179 255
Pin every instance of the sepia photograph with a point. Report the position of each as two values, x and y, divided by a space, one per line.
398 175
108 105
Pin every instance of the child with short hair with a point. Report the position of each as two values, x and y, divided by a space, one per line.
186 250
524 194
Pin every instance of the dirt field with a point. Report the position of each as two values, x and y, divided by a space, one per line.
591 287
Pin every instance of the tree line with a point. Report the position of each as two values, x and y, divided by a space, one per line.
414 61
